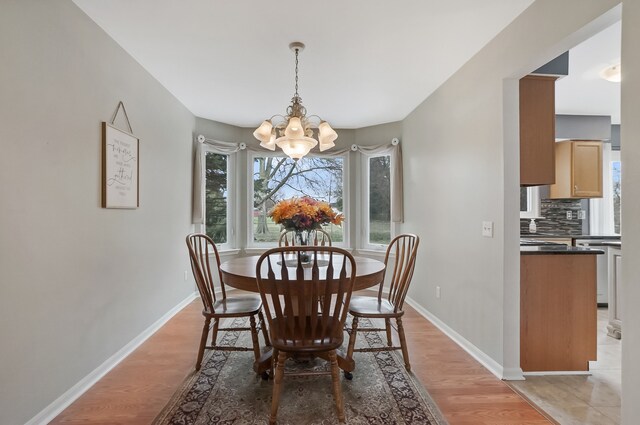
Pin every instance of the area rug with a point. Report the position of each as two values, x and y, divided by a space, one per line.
227 391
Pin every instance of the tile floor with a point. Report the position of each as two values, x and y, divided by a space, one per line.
593 399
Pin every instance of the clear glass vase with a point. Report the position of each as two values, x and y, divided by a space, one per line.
303 238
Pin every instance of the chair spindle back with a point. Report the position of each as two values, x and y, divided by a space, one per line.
201 248
319 237
306 305
404 249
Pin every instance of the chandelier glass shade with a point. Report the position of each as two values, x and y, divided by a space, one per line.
294 133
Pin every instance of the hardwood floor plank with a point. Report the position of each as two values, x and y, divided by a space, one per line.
136 390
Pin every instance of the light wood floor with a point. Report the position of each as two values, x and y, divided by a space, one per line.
583 400
137 389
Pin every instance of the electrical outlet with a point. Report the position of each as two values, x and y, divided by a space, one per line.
487 229
186 275
437 292
569 215
582 214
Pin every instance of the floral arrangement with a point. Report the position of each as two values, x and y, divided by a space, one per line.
304 214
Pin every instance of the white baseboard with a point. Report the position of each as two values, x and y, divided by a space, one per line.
511 374
73 393
558 373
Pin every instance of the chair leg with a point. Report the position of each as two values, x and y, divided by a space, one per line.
265 331
387 325
403 344
274 362
277 387
352 338
214 333
254 337
337 385
203 342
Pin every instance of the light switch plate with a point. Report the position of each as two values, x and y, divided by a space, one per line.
582 214
487 229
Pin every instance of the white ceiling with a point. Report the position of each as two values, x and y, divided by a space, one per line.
366 62
584 92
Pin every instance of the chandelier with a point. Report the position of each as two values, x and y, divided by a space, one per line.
294 132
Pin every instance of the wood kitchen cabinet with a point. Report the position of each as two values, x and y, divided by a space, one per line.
558 312
578 165
537 130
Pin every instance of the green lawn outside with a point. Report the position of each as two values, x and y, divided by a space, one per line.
379 232
274 232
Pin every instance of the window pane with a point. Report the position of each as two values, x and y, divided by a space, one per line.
615 178
278 178
216 197
380 200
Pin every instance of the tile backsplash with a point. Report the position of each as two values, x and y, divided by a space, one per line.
555 219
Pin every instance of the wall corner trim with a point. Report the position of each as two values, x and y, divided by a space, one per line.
73 393
512 374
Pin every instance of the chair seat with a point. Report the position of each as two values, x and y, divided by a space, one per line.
372 307
237 306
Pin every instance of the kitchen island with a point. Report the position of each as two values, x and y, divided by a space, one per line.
557 308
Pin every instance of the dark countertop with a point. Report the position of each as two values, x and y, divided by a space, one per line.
615 244
567 236
558 249
536 242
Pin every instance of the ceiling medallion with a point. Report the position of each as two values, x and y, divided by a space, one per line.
294 132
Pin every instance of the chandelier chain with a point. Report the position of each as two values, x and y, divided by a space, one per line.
296 93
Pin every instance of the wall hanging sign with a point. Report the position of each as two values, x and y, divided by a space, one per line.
120 165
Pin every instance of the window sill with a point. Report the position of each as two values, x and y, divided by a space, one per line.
372 252
260 250
228 251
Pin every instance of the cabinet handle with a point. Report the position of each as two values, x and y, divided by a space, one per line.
575 187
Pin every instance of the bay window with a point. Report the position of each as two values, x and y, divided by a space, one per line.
238 187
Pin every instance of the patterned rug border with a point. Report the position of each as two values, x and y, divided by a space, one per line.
230 338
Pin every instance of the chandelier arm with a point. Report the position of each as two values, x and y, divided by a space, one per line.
314 116
278 116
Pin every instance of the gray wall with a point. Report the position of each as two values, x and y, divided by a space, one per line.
630 156
461 156
78 282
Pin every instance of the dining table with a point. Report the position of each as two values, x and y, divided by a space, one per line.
240 273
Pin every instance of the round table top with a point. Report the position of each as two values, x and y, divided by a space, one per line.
240 273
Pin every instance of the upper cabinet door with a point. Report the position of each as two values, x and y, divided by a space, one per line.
537 130
587 169
578 170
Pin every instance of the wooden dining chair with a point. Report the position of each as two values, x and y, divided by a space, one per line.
388 304
300 321
319 237
218 307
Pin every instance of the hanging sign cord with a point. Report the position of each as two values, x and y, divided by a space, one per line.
120 104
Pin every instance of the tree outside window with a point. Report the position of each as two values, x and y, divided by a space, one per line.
277 178
216 169
615 178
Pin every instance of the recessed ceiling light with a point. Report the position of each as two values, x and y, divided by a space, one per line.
612 73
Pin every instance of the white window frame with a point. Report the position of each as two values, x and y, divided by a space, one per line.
231 242
533 203
250 243
364 213
601 219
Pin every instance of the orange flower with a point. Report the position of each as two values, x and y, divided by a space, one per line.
304 213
